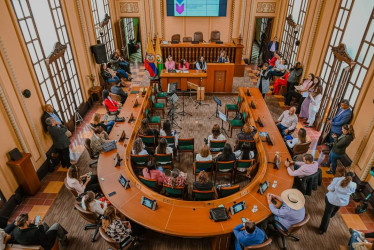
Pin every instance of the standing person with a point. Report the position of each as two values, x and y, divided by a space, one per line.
223 58
298 94
264 79
304 111
273 46
183 65
169 64
50 112
201 63
339 146
60 140
340 190
117 90
315 103
248 234
343 116
287 121
293 79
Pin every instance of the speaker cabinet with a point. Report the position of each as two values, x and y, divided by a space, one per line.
100 53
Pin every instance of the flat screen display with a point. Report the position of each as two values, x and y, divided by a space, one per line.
196 7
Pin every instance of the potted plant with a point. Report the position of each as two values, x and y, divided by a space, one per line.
92 79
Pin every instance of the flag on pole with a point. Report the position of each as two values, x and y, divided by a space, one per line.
160 63
150 58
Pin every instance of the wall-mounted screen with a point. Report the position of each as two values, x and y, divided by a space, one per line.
196 7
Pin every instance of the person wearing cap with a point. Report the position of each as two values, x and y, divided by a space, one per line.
340 190
302 168
248 234
343 116
292 210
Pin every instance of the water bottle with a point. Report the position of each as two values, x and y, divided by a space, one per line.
277 160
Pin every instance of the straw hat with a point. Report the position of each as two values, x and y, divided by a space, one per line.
293 198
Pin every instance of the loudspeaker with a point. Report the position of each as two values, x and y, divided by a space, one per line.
14 154
100 53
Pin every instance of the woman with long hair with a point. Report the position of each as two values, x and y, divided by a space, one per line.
89 203
340 190
151 172
304 111
315 103
301 138
166 131
216 134
263 81
339 146
204 154
223 58
145 129
300 94
111 105
138 147
245 152
114 227
169 64
83 183
203 183
226 154
201 63
183 65
106 125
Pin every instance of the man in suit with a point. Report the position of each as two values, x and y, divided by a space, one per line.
343 116
273 46
50 112
60 140
117 89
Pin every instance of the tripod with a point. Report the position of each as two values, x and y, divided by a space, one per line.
198 96
183 112
172 116
77 119
218 102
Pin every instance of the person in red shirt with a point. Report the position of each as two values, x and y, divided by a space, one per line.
273 60
279 82
111 105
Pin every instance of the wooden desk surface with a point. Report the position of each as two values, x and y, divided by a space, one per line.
201 44
187 218
191 73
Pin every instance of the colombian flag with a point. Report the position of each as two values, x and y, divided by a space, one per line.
150 59
160 63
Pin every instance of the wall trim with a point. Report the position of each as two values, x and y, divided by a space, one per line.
231 20
162 20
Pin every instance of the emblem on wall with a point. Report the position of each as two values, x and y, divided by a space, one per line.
129 7
265 7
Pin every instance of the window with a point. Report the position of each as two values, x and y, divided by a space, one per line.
103 26
129 29
43 26
293 29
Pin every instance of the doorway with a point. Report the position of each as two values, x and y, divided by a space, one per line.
131 39
261 39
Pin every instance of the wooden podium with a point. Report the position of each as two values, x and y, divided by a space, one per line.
25 174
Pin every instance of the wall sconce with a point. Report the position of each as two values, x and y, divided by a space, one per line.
26 93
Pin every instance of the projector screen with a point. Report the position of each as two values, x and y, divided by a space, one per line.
196 7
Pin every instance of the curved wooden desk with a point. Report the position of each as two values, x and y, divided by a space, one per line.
190 218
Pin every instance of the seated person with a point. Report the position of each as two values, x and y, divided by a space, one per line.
223 58
280 68
146 130
163 148
204 154
248 234
183 65
201 63
273 60
203 183
226 154
89 203
169 64
216 134
118 72
112 106
27 233
166 131
114 227
358 240
117 89
107 76
175 178
83 183
302 168
118 61
106 125
248 132
98 139
292 210
287 121
138 148
280 82
301 138
151 172
244 153
50 112
298 94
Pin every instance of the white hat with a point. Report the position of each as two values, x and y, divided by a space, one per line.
293 198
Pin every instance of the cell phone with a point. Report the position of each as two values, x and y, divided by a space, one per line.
112 193
244 220
273 201
89 174
37 219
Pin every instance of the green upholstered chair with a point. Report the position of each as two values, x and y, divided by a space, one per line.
199 166
216 146
160 95
226 191
176 192
186 145
203 195
243 164
233 107
153 120
149 140
151 183
224 168
239 144
139 161
158 106
170 140
237 123
164 160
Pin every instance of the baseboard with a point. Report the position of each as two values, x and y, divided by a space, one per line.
11 203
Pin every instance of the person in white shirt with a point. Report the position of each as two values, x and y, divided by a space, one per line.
204 154
89 203
315 103
201 63
302 168
301 138
280 68
166 131
138 148
163 148
287 121
216 134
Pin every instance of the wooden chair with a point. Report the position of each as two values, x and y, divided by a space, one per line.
233 107
221 167
112 243
116 98
153 120
237 123
139 161
87 145
187 39
199 166
186 145
164 160
243 164
90 217
149 140
160 95
239 144
263 245
175 192
301 148
72 190
198 36
291 231
176 37
216 146
150 183
203 195
215 36
226 191
159 106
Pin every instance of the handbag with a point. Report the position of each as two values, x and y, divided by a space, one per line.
120 119
109 146
219 214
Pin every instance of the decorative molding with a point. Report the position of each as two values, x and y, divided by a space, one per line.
265 7
341 53
57 52
231 20
129 7
367 168
143 29
162 20
291 22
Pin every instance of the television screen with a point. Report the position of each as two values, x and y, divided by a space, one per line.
196 7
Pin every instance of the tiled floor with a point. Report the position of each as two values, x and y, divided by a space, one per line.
52 183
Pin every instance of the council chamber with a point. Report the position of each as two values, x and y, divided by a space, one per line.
181 124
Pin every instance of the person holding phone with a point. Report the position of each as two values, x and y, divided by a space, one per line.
83 183
247 234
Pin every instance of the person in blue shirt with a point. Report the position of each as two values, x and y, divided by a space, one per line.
50 112
248 234
343 116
